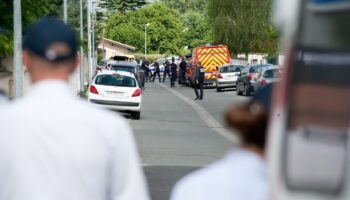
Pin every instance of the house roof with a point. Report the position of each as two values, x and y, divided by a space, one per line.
119 44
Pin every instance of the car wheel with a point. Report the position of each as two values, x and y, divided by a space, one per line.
136 115
246 90
238 91
218 89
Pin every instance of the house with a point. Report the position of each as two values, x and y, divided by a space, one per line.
110 48
257 58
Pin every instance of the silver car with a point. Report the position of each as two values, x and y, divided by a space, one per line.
227 76
267 75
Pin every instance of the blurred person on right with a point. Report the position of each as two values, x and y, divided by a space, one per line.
242 173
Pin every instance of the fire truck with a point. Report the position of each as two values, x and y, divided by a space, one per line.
211 57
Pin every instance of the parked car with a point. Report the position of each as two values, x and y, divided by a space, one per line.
247 78
269 74
117 90
227 76
128 67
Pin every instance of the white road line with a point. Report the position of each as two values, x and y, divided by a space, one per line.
206 117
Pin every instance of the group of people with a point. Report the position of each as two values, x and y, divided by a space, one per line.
56 146
170 71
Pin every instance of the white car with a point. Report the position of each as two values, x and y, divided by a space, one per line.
227 76
116 90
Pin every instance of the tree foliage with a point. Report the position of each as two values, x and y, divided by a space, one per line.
243 25
31 10
122 6
165 31
197 31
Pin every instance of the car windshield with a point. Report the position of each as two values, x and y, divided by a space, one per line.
115 80
231 68
123 68
272 73
254 68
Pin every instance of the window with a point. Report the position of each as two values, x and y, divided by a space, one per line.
231 68
123 68
115 80
271 73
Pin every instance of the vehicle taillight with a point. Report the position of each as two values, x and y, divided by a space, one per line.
250 77
220 76
93 90
263 83
136 93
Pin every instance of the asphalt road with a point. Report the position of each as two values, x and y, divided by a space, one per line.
177 135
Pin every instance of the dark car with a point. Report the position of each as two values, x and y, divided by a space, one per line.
247 78
129 67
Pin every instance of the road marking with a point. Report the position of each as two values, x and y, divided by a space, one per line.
206 117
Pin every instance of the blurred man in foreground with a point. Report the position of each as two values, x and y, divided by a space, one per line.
242 174
53 145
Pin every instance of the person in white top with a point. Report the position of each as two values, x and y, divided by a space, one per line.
242 173
54 146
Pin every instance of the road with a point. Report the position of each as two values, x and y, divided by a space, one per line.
177 135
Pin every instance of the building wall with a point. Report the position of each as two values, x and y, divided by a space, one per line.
112 50
257 58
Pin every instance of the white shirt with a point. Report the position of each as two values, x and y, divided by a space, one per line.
241 175
54 146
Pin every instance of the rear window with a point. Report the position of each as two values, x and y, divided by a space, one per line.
272 73
123 68
115 80
231 68
254 68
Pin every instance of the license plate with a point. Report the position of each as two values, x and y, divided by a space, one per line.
116 94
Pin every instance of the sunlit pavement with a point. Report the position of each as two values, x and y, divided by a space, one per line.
173 139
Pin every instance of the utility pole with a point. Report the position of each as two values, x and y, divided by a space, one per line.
89 39
81 48
146 26
65 13
17 50
103 43
93 31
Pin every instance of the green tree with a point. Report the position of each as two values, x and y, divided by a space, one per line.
197 31
122 6
165 33
31 11
243 25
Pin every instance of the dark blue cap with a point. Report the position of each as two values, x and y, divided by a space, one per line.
42 36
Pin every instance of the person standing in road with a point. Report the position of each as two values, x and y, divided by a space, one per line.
242 173
182 77
166 70
173 68
55 146
198 82
156 71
